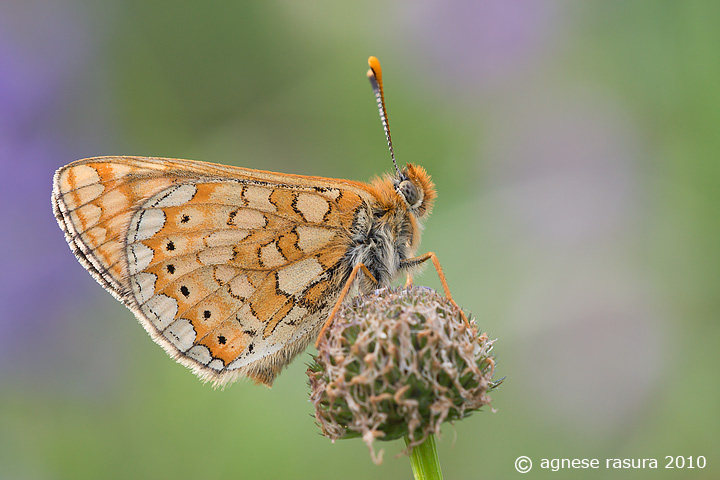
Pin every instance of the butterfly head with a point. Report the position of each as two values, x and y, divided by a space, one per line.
414 186
412 183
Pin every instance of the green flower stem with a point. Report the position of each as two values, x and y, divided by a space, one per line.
424 460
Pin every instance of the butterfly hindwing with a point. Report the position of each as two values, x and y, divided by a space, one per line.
230 270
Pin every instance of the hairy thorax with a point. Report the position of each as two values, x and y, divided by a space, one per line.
381 240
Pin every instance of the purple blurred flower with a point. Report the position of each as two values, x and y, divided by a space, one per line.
42 50
469 43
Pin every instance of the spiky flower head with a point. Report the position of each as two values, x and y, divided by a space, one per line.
399 362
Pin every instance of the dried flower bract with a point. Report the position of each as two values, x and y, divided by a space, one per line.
399 362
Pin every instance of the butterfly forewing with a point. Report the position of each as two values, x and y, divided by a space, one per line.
232 271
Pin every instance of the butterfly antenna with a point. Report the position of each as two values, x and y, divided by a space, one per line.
375 77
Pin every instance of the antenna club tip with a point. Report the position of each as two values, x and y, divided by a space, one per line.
374 64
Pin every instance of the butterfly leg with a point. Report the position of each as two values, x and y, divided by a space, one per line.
411 262
343 294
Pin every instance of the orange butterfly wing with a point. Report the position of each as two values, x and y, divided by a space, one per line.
231 270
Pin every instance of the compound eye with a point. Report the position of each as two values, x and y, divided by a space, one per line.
408 190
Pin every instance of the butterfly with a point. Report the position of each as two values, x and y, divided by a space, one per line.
234 271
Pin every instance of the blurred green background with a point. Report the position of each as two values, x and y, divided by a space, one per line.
575 151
